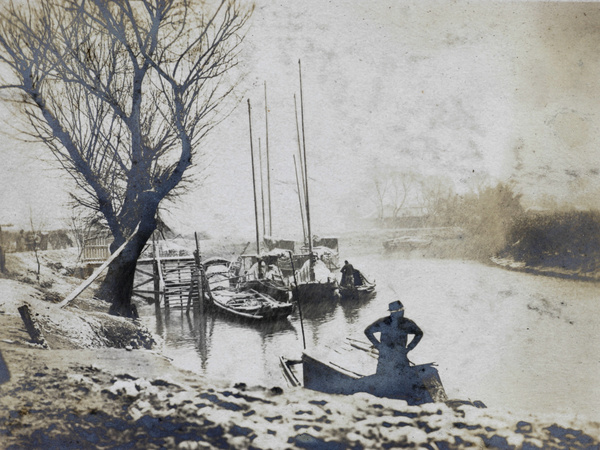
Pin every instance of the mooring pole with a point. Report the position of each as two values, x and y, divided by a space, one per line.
156 276
298 299
2 248
200 271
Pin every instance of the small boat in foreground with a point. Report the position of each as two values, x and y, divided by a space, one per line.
351 368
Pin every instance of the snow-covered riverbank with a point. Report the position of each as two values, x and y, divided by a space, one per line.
557 272
80 394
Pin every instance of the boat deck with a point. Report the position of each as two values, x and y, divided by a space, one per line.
352 357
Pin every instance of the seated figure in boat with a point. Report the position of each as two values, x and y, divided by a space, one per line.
347 274
266 269
273 273
393 340
258 270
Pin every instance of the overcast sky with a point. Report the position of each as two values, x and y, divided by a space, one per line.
466 91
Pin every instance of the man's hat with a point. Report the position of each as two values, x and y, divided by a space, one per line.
396 306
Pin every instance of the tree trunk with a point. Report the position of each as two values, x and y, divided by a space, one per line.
117 287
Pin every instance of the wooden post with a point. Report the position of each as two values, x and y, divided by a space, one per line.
191 290
2 261
2 251
32 327
298 298
4 372
199 272
157 276
156 286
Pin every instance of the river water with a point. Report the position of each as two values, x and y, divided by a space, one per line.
516 341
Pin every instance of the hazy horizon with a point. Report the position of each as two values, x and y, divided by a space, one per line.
467 92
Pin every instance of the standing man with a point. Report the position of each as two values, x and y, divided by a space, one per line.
347 274
392 343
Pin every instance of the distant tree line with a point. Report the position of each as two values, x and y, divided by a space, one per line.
493 220
26 241
565 239
486 214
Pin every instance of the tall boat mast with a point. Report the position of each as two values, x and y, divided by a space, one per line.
300 199
262 184
300 163
310 245
268 163
253 180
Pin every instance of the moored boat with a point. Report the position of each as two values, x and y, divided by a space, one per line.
249 304
263 275
223 293
315 282
406 243
359 285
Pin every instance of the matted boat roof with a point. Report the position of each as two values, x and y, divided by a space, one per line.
215 260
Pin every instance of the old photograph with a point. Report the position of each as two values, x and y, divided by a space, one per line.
310 224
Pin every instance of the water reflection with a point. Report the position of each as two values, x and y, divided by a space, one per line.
320 311
351 306
218 345
201 329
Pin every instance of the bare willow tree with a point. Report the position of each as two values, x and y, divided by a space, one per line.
122 92
440 200
390 191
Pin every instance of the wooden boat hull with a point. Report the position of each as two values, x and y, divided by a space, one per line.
222 293
248 304
333 373
351 367
315 291
276 292
421 384
252 310
356 291
360 286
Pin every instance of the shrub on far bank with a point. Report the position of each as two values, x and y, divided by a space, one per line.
487 215
568 239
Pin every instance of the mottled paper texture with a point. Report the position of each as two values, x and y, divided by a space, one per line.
451 96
